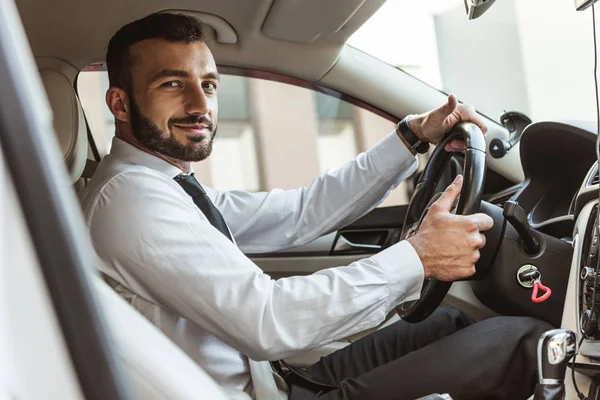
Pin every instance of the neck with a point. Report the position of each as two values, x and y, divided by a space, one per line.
184 166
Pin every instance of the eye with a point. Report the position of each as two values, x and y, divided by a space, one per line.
211 86
171 84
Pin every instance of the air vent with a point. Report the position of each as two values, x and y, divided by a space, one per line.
594 180
588 266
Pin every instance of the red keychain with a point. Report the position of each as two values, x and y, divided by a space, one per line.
537 284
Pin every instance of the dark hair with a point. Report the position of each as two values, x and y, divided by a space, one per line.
171 27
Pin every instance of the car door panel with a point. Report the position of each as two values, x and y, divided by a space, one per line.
366 236
377 230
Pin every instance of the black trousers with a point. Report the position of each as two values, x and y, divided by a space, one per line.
446 353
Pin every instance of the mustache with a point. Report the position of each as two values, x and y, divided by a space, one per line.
192 120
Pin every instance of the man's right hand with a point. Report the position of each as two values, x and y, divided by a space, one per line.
447 244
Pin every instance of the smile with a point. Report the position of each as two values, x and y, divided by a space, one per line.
200 129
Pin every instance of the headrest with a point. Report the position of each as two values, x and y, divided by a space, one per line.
69 122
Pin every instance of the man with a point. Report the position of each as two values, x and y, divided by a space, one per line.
179 260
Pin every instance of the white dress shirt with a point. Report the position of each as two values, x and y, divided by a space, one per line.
164 257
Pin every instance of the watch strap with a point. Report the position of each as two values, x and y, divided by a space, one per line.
410 137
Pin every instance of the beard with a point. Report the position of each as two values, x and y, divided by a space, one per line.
153 138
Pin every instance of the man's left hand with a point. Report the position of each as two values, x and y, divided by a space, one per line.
433 125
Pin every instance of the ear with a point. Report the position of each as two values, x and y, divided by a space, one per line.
118 104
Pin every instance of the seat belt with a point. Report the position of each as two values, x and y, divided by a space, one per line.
89 169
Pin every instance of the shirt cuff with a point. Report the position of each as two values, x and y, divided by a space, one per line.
391 156
404 272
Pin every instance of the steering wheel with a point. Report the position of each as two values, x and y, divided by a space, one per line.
434 291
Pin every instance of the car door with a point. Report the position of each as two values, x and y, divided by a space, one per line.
275 135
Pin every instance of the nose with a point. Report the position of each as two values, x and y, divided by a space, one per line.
196 101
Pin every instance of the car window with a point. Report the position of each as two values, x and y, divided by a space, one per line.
270 134
533 56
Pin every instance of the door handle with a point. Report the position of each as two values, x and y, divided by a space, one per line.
345 244
363 242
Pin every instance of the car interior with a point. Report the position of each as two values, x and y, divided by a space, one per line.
69 332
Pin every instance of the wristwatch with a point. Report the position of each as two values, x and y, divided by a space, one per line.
410 137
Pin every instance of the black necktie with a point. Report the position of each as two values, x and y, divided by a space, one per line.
202 201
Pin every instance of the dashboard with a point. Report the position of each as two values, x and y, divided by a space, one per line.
556 158
560 197
558 161
582 303
581 307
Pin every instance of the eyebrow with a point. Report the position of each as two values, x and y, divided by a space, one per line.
165 73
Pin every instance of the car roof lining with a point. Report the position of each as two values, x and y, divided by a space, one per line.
306 51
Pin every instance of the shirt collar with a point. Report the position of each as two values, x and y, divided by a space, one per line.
125 151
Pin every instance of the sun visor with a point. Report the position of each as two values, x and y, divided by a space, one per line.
304 21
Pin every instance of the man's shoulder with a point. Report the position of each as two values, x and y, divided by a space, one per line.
114 180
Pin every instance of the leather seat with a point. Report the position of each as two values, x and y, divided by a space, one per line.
69 122
154 366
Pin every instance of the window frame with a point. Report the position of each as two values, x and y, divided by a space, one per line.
270 76
276 77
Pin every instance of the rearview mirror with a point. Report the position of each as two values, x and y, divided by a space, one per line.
581 5
476 8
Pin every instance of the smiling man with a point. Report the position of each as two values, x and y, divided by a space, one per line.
170 67
175 249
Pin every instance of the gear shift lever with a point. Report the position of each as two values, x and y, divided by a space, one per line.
555 349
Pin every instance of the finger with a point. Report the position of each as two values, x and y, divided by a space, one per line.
483 240
468 113
458 145
447 108
455 145
470 270
482 222
450 194
452 103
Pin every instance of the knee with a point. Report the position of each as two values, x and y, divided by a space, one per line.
520 327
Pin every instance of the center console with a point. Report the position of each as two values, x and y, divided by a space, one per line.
582 306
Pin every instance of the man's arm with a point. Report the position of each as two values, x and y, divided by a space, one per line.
270 221
164 250
266 222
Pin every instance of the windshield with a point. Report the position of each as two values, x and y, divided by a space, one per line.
533 56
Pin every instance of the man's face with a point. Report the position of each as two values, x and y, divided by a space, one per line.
173 102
